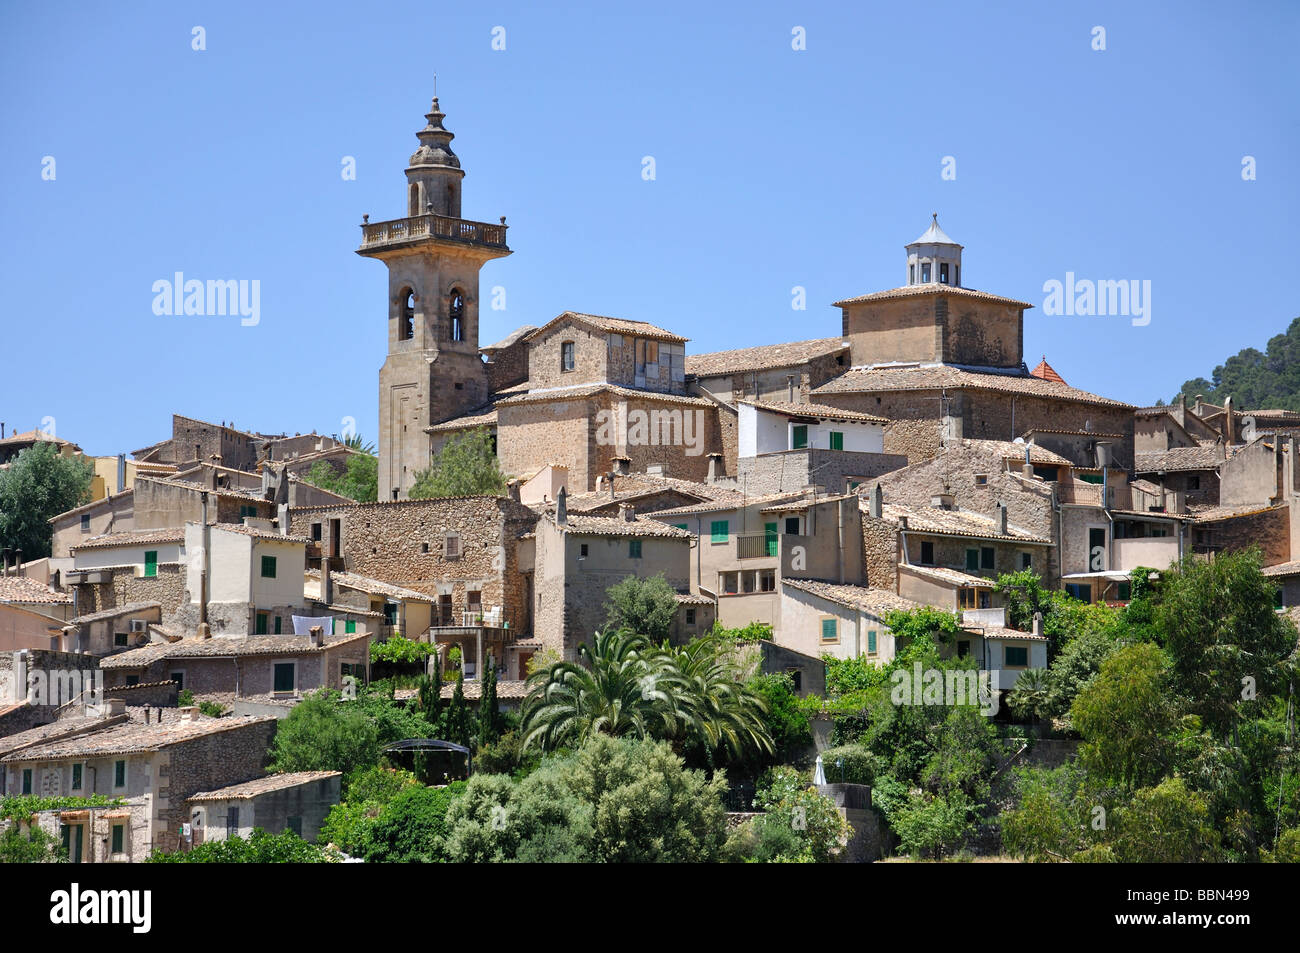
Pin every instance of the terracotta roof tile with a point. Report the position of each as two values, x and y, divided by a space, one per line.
132 737
220 646
814 411
23 589
875 601
610 325
132 538
582 525
917 291
1205 457
939 376
763 357
1047 372
940 522
264 785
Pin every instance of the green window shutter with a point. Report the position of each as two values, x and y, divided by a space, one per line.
721 531
830 630
769 532
871 641
283 675
634 548
682 526
986 557
268 567
151 562
350 627
799 437
972 559
117 838
261 624
119 774
76 777
1017 655
837 440
27 780
1125 589
277 625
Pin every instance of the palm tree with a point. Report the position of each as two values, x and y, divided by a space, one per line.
1032 694
714 706
358 442
617 688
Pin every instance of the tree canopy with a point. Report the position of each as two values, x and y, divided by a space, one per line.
466 465
1255 379
38 485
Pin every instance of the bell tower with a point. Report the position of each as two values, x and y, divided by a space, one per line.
433 371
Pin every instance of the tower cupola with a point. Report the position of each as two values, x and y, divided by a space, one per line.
934 258
434 175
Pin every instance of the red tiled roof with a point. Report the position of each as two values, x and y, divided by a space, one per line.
1046 372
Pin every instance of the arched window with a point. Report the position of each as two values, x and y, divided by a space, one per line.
414 202
406 321
456 315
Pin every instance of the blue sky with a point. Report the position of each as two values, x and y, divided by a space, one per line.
775 168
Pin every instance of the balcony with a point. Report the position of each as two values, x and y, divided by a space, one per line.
378 236
1154 552
756 546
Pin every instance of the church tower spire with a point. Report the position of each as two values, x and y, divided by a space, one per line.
433 371
934 258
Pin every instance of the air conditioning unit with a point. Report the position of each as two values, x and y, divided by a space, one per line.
139 625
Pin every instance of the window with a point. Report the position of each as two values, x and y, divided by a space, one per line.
830 630
966 598
390 613
76 777
634 549
872 646
690 616
133 680
792 526
247 510
456 316
1125 593
963 648
1193 483
943 272
981 479
27 780
151 562
582 551
232 821
729 583
911 274
406 321
119 773
260 625
927 553
283 674
1017 656
315 532
451 546
278 624
85 523
798 436
972 559
268 567
294 823
682 526
350 627
747 582
837 440
119 838
120 640
720 531
925 271
179 679
767 580
956 275
986 557
1026 560
566 356
1079 590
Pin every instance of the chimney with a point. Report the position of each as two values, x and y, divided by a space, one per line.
210 478
317 636
115 706
561 507
282 517
1002 518
625 513
512 490
121 472
188 713
943 500
204 538
204 631
902 523
877 505
147 714
326 581
609 481
1229 424
789 386
1038 623
1197 408
622 466
715 464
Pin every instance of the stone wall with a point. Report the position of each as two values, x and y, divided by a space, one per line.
880 551
405 544
790 471
1270 529
590 356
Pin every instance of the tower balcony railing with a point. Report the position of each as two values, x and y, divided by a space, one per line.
417 227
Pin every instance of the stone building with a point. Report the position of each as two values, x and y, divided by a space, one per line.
151 758
296 801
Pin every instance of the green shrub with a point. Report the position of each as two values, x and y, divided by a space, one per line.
857 765
412 827
260 848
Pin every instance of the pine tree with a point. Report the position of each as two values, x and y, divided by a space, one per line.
458 719
489 718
